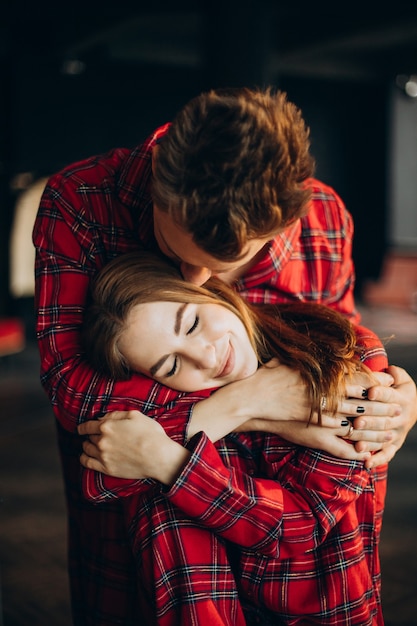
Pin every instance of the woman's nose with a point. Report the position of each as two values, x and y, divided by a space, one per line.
204 355
195 274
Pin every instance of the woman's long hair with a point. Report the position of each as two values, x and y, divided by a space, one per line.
311 338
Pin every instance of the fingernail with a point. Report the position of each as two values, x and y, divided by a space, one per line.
360 409
365 394
344 423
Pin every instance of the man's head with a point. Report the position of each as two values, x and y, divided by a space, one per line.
227 177
231 169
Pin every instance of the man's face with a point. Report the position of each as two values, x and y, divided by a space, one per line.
195 264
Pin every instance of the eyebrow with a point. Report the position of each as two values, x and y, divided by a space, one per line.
177 327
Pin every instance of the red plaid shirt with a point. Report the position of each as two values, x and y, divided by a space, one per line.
90 212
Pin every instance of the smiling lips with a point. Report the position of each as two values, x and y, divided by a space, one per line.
228 363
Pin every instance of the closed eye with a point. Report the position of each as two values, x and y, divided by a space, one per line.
173 369
194 326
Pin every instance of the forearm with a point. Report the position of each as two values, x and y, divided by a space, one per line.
221 413
274 392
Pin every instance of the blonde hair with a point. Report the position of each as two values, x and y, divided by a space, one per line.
312 338
232 167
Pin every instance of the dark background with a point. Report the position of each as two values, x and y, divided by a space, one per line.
79 78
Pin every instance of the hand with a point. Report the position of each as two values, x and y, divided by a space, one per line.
127 444
331 439
393 414
385 417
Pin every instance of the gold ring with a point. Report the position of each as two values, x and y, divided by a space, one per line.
351 429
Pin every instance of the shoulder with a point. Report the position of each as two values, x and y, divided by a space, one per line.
117 168
323 193
88 173
326 209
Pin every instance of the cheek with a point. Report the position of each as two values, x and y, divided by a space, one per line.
194 380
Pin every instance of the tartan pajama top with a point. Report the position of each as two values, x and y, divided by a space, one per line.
90 212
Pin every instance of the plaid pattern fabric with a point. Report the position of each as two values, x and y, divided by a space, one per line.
90 212
279 521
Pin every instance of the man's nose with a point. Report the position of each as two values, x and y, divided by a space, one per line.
195 274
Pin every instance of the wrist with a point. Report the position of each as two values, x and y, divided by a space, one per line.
223 412
170 463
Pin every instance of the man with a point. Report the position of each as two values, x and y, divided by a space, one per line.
226 189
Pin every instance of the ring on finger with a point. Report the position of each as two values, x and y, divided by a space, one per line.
350 431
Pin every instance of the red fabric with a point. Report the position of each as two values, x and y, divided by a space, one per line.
90 212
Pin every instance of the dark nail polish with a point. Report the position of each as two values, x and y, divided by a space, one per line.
344 423
365 394
360 409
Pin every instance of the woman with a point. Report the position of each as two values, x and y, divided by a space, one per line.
297 529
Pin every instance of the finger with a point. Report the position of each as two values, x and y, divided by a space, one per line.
385 379
91 450
95 439
345 450
382 457
92 427
368 437
367 423
361 382
354 408
399 375
337 443
337 422
368 446
91 463
367 441
383 394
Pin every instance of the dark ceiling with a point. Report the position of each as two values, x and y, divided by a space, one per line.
361 41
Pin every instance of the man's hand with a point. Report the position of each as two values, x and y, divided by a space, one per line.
127 444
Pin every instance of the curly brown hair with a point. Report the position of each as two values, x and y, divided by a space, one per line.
233 167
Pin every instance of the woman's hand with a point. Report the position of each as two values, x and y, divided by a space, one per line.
382 415
333 439
127 444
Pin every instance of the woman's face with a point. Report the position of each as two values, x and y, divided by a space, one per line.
187 346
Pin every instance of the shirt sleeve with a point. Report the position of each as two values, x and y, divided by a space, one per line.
74 236
371 350
291 514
